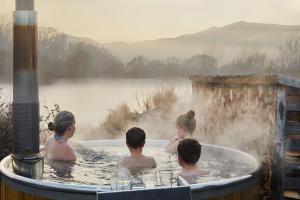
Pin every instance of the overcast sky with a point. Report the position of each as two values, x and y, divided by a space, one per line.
135 20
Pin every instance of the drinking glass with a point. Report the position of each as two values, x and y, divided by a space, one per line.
149 180
123 184
166 177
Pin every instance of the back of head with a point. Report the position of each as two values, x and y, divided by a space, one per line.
62 121
187 121
189 150
135 137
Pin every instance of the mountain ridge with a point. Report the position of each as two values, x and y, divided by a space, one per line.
235 25
231 39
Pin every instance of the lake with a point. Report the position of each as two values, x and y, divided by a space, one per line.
92 100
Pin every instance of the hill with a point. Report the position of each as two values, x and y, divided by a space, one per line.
223 43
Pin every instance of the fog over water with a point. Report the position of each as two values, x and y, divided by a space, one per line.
92 100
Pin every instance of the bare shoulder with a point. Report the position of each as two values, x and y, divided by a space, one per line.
203 172
49 140
67 147
172 147
151 161
68 152
124 162
181 174
48 143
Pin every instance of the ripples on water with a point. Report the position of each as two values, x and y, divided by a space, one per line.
100 165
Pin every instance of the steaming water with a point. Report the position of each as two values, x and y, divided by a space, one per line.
92 100
98 166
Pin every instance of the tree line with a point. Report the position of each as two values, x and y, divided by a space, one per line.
61 56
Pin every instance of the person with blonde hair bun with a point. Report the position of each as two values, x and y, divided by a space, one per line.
185 125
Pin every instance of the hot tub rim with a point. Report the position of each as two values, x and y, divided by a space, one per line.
23 183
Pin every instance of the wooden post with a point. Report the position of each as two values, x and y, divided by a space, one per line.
278 154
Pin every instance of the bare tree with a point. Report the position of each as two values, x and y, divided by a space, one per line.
201 64
289 55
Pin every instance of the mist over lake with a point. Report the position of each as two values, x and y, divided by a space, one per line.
92 100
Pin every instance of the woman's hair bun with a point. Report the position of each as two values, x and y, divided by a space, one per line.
190 114
51 126
187 121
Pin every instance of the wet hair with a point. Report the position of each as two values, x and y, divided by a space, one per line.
62 121
135 137
189 150
187 121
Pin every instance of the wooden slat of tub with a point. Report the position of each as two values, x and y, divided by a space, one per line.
293 144
291 91
0 189
292 153
293 97
252 193
292 194
293 106
292 159
293 128
30 197
11 194
292 183
292 168
294 137
7 193
293 117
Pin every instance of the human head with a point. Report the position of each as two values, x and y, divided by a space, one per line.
189 151
186 122
63 122
135 138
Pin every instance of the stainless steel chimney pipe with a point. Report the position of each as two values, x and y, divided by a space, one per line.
27 160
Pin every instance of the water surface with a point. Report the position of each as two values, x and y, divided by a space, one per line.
92 100
99 166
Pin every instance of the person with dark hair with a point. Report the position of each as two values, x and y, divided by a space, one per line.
57 147
188 153
135 140
185 125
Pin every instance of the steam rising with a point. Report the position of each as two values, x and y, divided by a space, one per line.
241 118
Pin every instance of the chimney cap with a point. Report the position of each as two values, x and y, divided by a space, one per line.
24 4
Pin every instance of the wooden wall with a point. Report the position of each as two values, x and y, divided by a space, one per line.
286 157
291 165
